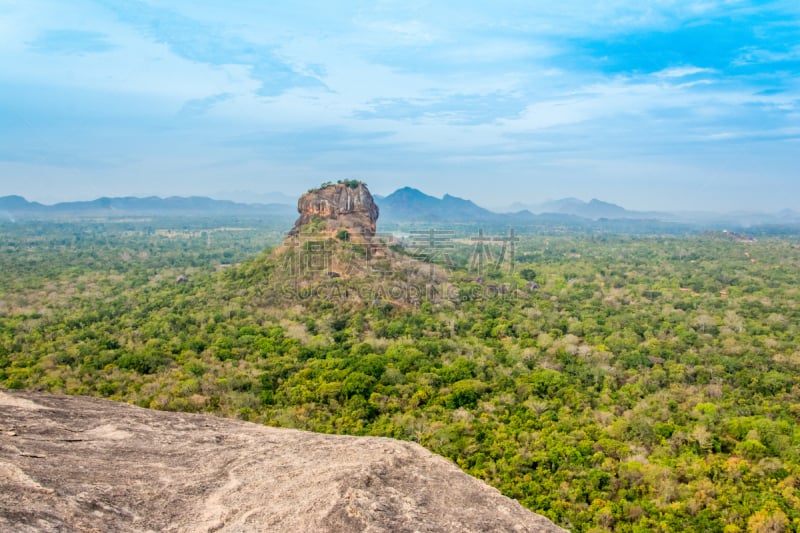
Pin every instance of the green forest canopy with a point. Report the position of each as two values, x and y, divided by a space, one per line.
614 384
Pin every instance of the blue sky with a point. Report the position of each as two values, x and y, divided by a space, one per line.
652 105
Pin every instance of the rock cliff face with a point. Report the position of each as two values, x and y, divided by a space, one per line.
82 464
348 206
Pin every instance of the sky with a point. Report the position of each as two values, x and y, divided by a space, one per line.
663 104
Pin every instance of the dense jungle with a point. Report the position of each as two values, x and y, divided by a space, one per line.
611 382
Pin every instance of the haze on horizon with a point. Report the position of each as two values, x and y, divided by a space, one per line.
651 105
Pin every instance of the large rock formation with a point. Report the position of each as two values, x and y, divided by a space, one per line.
82 464
345 205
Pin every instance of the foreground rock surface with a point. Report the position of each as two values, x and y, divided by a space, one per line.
83 464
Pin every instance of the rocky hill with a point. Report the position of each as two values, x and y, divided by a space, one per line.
81 464
347 205
411 205
334 253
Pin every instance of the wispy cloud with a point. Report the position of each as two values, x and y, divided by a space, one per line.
404 90
408 32
48 155
682 72
309 141
71 42
455 109
204 43
759 56
201 106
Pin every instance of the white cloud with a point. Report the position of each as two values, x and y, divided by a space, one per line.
494 50
440 58
406 32
135 65
756 56
682 72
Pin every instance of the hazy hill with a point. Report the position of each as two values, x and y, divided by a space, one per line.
195 205
411 205
594 209
15 202
251 197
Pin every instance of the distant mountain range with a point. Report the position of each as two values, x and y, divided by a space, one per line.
404 206
17 206
409 205
250 197
594 209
